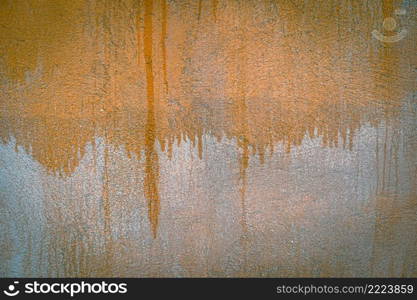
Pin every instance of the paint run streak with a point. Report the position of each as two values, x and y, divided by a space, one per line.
151 154
163 41
199 8
138 30
241 115
214 5
107 211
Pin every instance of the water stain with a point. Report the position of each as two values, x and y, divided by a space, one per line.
151 155
164 102
163 41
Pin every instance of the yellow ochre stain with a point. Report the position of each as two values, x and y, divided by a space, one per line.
151 154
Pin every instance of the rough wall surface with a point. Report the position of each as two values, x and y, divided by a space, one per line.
205 138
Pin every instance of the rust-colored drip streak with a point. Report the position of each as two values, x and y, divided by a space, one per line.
138 31
388 8
163 41
200 144
214 6
200 4
242 120
243 137
151 155
107 211
105 193
243 166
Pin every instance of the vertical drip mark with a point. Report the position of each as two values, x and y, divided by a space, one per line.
214 5
387 8
151 156
243 166
244 142
377 192
384 161
107 212
138 30
199 8
108 56
200 144
163 41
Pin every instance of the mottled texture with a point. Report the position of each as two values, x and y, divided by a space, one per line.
207 138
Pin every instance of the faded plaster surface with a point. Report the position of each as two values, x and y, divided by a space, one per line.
198 138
